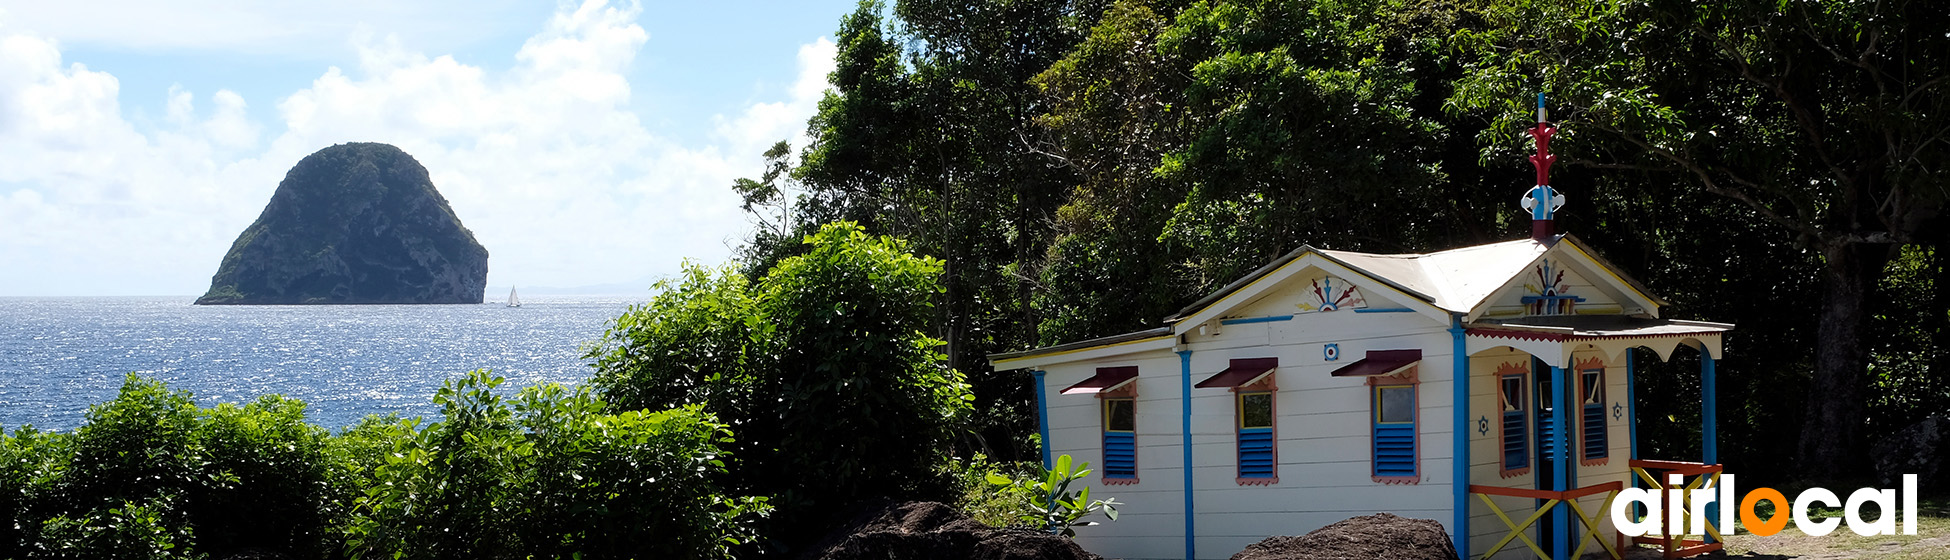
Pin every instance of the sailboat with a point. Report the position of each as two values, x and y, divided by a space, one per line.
512 300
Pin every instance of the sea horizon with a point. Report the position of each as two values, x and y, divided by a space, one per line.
61 354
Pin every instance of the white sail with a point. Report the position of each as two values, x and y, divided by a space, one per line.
512 300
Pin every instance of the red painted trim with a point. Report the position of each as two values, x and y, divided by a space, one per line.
1523 371
1127 391
1515 334
1265 384
1584 458
1558 337
1412 378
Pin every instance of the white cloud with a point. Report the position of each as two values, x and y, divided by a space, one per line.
273 27
545 161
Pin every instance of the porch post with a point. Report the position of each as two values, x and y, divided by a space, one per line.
1185 398
1460 455
1042 413
1709 414
1632 396
1560 467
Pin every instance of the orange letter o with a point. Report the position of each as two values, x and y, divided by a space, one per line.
1752 521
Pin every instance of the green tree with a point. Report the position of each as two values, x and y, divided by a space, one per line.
1826 119
822 367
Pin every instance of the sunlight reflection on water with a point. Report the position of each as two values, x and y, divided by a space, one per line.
59 355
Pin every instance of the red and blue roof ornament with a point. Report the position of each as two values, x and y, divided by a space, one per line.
1542 201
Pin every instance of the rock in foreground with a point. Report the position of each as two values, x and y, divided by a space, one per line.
933 531
352 224
1369 537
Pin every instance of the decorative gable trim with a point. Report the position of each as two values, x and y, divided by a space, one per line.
1273 276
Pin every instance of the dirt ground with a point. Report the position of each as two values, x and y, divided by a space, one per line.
1931 542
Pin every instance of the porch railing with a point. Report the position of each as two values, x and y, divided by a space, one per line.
1552 499
1693 476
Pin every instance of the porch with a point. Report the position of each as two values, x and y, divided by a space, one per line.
1542 482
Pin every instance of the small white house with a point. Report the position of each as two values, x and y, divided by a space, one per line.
1324 385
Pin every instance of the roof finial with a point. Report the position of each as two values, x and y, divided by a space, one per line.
1542 201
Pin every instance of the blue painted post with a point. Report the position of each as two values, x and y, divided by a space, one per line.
1460 456
1560 465
1185 398
1709 417
1042 414
1709 410
1632 396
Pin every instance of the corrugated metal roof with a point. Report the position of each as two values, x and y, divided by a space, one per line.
1104 341
1454 280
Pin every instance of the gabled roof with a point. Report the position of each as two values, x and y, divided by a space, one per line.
1456 280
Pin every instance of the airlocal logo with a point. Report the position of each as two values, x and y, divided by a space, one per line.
1669 507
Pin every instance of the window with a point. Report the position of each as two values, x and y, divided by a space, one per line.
1516 423
1591 394
1394 433
1120 439
1258 463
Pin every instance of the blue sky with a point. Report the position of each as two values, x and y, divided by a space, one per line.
582 142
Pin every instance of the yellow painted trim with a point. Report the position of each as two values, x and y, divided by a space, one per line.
1001 365
1377 402
1619 280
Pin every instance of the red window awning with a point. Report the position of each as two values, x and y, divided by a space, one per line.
1106 379
1240 372
1380 362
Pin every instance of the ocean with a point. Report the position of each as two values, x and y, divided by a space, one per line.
60 355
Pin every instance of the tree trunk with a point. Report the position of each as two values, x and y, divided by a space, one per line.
1831 434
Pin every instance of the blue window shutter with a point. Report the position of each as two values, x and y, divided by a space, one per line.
1394 439
1516 440
1120 455
1594 431
1394 449
1547 437
1256 453
1593 387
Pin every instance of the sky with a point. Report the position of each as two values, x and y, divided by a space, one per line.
583 142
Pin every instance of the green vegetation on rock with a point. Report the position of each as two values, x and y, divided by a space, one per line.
353 223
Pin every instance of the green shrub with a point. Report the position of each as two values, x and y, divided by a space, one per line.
822 368
553 476
131 531
150 469
31 463
633 484
992 504
1052 505
266 481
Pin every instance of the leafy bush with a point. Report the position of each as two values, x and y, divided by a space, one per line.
995 505
1053 507
551 476
547 474
822 367
151 475
30 462
266 481
131 531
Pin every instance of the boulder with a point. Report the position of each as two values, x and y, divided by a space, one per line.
353 223
1382 536
1919 450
